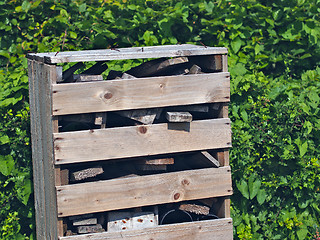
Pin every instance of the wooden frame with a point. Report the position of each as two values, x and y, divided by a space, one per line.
55 199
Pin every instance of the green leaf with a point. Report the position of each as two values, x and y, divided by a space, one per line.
236 44
25 191
244 115
82 7
302 233
303 148
6 164
308 126
4 139
254 186
243 188
73 35
261 196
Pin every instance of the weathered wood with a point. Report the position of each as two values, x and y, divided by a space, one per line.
127 53
195 69
146 140
140 93
87 221
64 177
143 191
204 230
157 161
145 116
124 221
156 66
90 229
86 173
195 208
87 78
179 117
225 63
101 119
208 159
40 79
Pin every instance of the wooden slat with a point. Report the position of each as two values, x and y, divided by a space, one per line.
127 53
40 80
143 191
219 229
134 141
125 94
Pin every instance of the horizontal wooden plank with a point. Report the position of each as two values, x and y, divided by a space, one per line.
134 141
204 230
126 53
143 191
125 94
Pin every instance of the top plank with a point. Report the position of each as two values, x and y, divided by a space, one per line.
126 53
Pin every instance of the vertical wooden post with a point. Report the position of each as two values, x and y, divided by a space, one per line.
40 80
223 156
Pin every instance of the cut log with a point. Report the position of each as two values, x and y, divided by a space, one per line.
156 67
97 68
90 229
86 173
179 117
195 69
101 119
145 116
87 78
195 208
121 221
159 161
88 221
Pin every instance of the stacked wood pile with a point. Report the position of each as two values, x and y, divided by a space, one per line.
143 148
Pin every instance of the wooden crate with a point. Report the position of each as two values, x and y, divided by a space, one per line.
55 152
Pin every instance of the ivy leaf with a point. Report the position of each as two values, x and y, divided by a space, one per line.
4 139
243 188
254 186
302 233
236 44
303 148
261 196
24 192
6 164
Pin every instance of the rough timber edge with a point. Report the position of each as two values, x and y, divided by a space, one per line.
126 53
208 229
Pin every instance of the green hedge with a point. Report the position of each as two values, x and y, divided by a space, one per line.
274 51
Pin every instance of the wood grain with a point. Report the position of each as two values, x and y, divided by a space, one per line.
126 53
134 141
219 229
40 80
143 191
126 94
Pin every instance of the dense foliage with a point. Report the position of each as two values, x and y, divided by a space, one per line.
274 51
